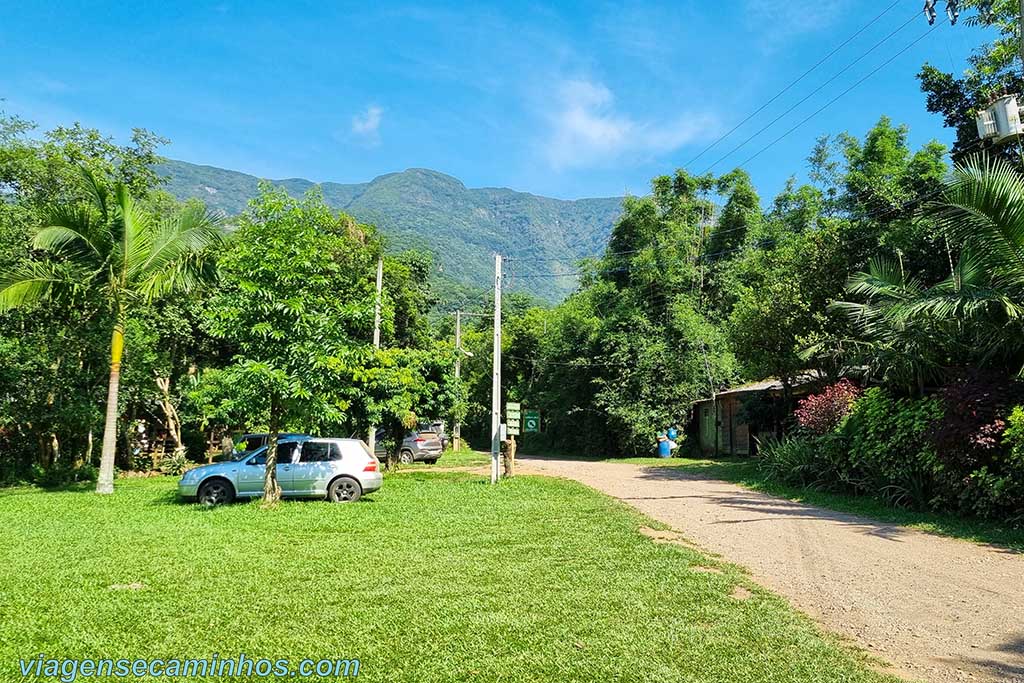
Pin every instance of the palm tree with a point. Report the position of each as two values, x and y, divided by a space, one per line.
974 315
982 207
112 247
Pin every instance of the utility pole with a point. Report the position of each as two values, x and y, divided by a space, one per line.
496 375
371 438
457 427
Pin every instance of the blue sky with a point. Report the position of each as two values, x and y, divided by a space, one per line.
563 99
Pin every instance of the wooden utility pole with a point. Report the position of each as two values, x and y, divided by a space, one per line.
457 427
496 375
371 437
510 456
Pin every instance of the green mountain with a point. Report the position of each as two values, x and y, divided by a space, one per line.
462 227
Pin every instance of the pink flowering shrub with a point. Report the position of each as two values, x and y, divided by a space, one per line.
821 413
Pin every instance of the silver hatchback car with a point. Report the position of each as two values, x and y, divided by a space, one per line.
341 470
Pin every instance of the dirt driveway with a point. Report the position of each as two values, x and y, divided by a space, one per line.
938 609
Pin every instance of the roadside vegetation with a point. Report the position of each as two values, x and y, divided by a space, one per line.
415 582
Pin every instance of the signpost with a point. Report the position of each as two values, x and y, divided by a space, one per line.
532 422
512 417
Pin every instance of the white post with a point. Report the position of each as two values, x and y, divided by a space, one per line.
376 308
457 428
496 375
371 438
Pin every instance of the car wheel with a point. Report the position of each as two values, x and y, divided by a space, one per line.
344 490
215 492
432 461
405 457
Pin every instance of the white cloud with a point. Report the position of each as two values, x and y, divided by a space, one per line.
586 130
777 21
367 125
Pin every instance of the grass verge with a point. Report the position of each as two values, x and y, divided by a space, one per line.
438 577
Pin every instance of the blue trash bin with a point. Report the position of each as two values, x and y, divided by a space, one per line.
663 449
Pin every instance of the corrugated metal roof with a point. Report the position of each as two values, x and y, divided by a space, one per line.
770 384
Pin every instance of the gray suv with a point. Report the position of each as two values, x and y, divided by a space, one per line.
418 446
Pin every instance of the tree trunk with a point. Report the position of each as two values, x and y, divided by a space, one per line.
173 420
271 489
105 482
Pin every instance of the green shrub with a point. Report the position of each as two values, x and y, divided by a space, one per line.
996 490
806 460
60 475
980 445
888 447
175 463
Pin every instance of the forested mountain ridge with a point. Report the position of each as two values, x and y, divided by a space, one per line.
424 209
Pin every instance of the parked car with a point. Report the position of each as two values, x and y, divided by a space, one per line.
247 443
341 470
418 446
437 426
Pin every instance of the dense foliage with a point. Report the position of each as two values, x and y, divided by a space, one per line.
269 330
945 453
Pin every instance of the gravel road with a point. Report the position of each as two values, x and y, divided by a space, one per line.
938 609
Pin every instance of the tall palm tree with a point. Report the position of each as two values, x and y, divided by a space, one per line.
113 247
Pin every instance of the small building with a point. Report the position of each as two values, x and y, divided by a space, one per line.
729 423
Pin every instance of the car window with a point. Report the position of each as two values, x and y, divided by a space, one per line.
258 459
286 452
316 451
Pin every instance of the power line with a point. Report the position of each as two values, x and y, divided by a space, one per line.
812 93
794 83
840 95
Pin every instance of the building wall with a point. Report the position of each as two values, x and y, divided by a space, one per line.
733 436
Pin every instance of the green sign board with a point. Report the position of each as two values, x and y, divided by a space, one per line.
532 421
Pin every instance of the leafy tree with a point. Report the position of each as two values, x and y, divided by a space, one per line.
296 305
740 215
993 70
113 249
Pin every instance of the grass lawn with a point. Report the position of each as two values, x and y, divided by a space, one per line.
438 577
463 458
744 472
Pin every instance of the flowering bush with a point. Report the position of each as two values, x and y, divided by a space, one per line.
821 413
